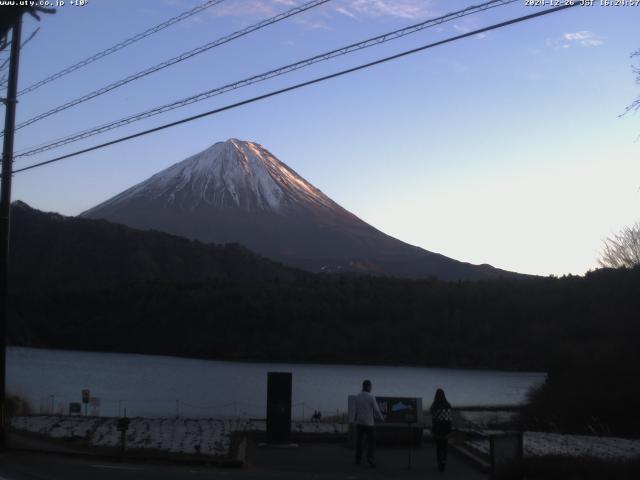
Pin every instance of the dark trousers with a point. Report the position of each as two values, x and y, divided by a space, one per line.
441 451
369 432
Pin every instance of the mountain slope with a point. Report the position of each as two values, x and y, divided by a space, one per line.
54 252
238 191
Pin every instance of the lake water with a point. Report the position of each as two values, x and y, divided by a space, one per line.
149 385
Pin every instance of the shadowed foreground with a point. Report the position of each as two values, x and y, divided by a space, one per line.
324 461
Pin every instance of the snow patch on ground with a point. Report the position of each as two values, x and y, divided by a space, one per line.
206 436
175 435
484 419
538 444
210 436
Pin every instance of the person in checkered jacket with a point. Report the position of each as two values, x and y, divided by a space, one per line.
441 426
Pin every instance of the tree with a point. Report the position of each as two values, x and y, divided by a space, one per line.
635 105
622 249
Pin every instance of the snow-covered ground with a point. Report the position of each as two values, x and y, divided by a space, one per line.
213 436
538 444
176 435
483 419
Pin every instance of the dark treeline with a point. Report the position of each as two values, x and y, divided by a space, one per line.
53 252
515 324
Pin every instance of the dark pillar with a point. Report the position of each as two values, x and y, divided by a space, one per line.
279 407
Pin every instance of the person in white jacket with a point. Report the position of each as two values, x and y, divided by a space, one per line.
366 409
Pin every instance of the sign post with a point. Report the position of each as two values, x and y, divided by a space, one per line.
86 397
123 426
401 410
410 443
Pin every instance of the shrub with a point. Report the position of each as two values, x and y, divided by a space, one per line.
17 406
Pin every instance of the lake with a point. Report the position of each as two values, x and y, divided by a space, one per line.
149 385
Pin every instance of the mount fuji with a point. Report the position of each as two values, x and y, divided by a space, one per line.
238 192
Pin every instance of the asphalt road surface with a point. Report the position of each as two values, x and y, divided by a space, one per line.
308 461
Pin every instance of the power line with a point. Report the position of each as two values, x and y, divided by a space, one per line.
262 77
300 85
121 45
5 63
174 60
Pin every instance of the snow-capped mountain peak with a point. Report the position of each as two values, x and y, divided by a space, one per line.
231 174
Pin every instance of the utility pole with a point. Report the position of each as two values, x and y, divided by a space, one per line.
5 211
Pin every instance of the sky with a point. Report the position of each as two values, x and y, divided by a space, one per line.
506 148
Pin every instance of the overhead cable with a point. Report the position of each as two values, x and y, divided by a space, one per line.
121 45
172 61
29 151
300 85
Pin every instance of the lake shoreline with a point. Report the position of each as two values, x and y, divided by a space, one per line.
148 385
327 363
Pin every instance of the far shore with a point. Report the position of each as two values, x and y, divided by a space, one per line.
261 361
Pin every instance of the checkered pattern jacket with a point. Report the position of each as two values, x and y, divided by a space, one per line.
441 421
441 415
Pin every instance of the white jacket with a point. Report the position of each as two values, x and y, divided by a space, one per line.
366 409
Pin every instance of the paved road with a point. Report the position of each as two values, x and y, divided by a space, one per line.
309 461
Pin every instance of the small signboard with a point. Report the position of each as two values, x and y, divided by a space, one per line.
401 409
404 420
395 409
86 395
95 406
75 408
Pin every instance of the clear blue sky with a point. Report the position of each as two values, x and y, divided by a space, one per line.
504 148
